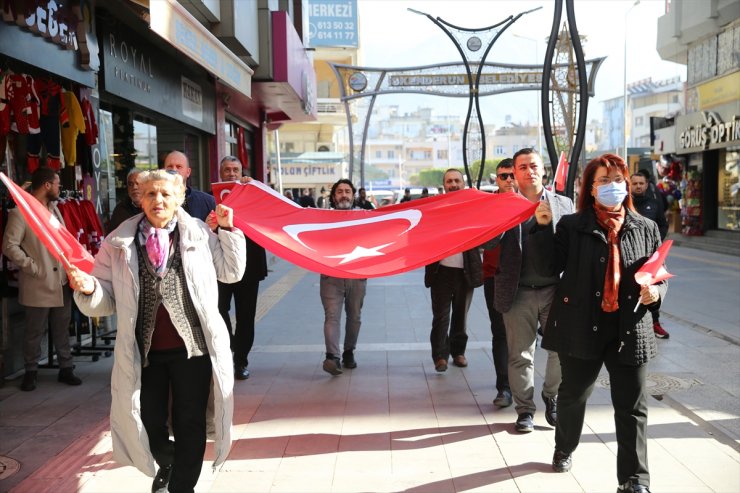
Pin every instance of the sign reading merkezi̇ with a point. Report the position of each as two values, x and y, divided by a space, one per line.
332 23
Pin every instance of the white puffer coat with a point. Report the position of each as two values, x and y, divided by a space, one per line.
206 257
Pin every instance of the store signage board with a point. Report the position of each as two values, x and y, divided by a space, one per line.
138 71
175 24
332 23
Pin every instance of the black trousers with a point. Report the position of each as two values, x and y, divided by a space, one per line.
245 294
189 380
449 292
629 399
499 349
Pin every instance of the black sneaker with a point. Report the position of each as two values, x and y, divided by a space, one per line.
348 360
503 398
525 423
67 375
561 462
551 410
241 372
631 487
333 366
29 381
162 479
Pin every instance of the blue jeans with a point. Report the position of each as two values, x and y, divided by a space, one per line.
336 292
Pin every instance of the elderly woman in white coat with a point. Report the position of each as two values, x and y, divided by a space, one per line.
157 271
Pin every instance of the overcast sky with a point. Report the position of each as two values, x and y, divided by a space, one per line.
391 36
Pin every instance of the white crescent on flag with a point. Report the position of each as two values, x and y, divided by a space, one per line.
373 243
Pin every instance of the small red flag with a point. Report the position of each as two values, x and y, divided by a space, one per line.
372 243
653 271
55 237
221 189
561 174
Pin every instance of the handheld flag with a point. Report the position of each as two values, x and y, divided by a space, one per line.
653 271
62 245
358 244
221 189
561 175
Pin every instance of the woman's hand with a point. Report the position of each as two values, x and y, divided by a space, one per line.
211 221
224 216
79 280
649 295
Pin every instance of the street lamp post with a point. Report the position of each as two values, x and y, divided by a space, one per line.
624 101
539 115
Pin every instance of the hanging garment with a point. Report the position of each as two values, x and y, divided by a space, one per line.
91 125
53 113
75 126
24 104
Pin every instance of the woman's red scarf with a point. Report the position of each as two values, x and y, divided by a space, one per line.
612 222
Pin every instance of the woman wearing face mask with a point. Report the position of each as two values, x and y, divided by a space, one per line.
593 321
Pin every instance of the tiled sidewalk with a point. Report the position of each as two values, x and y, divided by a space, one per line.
391 425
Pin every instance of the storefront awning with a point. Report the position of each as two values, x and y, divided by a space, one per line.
172 22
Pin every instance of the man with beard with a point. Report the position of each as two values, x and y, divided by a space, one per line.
651 207
336 292
43 288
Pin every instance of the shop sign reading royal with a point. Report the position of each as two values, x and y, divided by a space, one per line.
138 71
711 133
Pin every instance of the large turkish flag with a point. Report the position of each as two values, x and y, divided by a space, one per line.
381 242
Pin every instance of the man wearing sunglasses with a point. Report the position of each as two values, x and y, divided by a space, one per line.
506 184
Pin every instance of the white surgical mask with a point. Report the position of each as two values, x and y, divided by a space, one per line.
612 194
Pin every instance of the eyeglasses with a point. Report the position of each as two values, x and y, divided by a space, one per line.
605 180
505 176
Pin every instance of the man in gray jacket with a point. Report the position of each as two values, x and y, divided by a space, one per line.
525 286
42 284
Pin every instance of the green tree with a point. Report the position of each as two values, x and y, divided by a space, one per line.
488 170
431 177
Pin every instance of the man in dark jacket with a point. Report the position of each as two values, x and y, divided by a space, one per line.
131 205
651 207
452 281
197 204
524 289
245 291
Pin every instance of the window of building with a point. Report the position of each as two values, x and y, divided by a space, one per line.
499 150
391 154
378 154
145 143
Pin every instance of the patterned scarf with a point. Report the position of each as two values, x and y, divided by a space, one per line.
612 222
157 242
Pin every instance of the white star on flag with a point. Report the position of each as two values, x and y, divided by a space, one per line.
360 252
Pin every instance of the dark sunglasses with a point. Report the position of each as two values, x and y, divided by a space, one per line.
505 176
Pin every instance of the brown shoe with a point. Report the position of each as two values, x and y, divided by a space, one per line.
440 365
460 361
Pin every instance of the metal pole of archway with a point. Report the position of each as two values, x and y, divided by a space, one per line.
473 44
